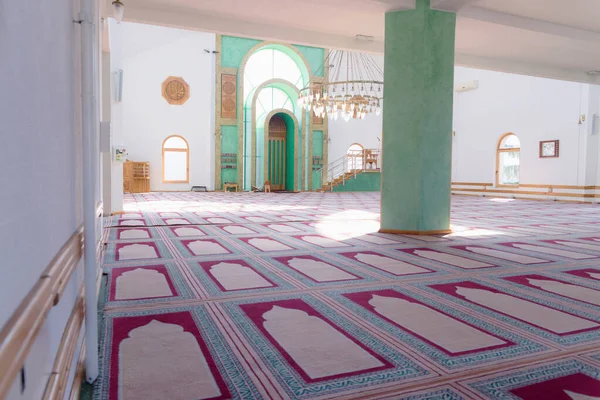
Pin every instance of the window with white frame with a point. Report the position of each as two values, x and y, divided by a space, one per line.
508 160
355 156
176 160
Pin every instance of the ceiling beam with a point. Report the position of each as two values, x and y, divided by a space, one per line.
398 5
530 24
524 68
451 5
194 20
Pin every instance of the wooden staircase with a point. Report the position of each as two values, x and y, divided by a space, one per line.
347 167
340 180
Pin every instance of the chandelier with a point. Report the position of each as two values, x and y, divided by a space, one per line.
353 90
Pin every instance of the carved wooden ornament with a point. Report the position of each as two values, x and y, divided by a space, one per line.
228 96
175 90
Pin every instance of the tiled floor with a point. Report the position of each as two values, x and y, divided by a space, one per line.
254 295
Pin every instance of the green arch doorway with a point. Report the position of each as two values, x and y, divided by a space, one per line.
280 150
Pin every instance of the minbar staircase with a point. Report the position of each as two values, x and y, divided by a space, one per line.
347 167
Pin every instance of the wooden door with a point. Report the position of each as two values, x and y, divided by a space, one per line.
277 153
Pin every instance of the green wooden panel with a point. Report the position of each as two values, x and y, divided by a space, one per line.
290 179
259 158
272 151
277 164
300 154
276 161
281 160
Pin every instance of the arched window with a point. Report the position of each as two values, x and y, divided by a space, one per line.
175 160
271 98
273 75
268 64
508 160
355 156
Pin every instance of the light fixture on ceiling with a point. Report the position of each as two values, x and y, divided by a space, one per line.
365 38
118 10
353 90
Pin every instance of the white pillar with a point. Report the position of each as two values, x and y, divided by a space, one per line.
90 158
106 155
213 79
592 133
116 114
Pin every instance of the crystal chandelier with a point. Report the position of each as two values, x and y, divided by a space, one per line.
354 88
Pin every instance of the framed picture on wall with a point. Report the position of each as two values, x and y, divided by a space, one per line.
548 148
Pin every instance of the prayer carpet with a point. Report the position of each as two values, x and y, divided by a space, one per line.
297 296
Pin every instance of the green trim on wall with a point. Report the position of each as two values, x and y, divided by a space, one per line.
315 57
234 54
289 151
234 49
317 151
305 70
257 169
229 144
364 182
318 143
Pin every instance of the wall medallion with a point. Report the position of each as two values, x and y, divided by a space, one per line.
175 90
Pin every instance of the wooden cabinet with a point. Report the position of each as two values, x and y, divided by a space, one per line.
136 177
127 185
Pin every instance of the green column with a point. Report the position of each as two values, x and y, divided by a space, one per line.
417 120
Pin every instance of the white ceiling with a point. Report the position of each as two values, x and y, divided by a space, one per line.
552 38
584 14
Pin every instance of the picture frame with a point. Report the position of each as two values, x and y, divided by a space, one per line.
549 148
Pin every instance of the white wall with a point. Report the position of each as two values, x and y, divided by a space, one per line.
364 132
148 55
40 186
534 109
592 176
343 134
116 122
